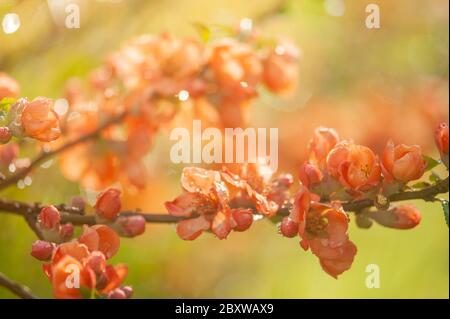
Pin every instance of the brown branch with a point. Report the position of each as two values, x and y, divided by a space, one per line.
427 194
43 156
16 288
75 216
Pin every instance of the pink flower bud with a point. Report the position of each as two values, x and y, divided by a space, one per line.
42 250
66 232
8 86
49 218
400 217
5 135
117 294
8 153
288 227
128 290
108 204
131 226
243 219
97 262
310 174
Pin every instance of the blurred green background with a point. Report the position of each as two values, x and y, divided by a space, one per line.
342 63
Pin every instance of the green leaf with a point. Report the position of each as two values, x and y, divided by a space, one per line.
203 31
444 203
5 104
431 162
420 185
434 177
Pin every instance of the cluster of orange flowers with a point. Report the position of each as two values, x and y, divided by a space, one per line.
85 257
337 171
143 86
152 78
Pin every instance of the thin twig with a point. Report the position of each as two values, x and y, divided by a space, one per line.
43 156
16 288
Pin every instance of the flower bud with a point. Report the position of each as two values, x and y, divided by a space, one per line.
39 121
66 232
130 226
5 134
441 139
8 86
243 219
108 204
49 218
402 162
117 294
42 250
400 217
97 262
320 145
78 202
288 227
362 221
310 174
128 290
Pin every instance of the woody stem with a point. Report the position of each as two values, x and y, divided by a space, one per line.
77 217
43 156
16 288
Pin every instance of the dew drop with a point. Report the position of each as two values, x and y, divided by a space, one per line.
246 25
11 23
12 168
28 181
21 184
183 95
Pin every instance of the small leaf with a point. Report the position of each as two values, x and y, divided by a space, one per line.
420 185
431 162
203 31
5 104
444 203
434 177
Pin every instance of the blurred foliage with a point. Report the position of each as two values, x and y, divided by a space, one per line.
341 59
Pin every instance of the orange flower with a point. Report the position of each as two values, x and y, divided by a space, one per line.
236 69
59 276
324 139
101 238
355 166
441 139
325 233
280 68
8 86
210 202
39 121
402 163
